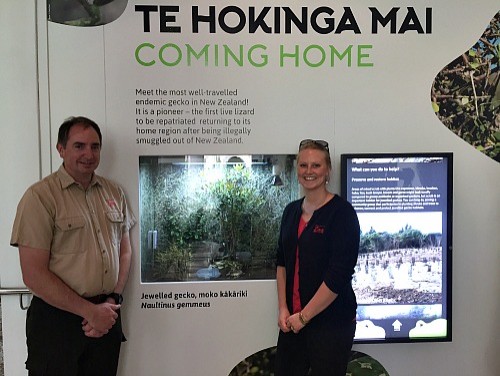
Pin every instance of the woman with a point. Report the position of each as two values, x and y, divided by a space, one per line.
317 252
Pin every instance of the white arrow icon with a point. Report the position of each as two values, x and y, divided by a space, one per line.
397 325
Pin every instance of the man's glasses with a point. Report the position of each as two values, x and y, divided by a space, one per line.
309 141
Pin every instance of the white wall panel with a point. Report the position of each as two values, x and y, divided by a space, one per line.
20 158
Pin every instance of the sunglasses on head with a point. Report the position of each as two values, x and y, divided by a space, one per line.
309 141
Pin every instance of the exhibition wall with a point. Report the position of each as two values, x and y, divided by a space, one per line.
190 83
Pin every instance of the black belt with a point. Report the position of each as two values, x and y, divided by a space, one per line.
98 299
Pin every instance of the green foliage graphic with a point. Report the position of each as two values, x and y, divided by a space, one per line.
466 93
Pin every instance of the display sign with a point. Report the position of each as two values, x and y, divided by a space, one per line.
179 85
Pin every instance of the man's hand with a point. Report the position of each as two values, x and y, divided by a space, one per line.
101 319
89 331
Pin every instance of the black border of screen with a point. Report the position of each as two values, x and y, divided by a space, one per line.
449 230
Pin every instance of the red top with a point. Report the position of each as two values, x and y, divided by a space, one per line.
297 307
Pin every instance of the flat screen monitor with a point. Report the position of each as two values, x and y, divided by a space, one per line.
403 275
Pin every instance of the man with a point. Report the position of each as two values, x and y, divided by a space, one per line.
72 231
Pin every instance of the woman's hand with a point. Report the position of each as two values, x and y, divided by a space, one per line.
283 320
294 323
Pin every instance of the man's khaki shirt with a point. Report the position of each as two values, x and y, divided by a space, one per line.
81 229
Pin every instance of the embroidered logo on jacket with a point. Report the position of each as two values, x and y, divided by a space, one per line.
318 229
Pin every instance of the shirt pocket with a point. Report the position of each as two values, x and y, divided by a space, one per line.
68 237
115 224
115 217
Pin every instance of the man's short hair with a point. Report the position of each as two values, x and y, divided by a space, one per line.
63 134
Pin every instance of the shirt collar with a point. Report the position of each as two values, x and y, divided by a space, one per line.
67 180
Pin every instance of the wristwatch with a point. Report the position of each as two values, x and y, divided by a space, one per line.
118 298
